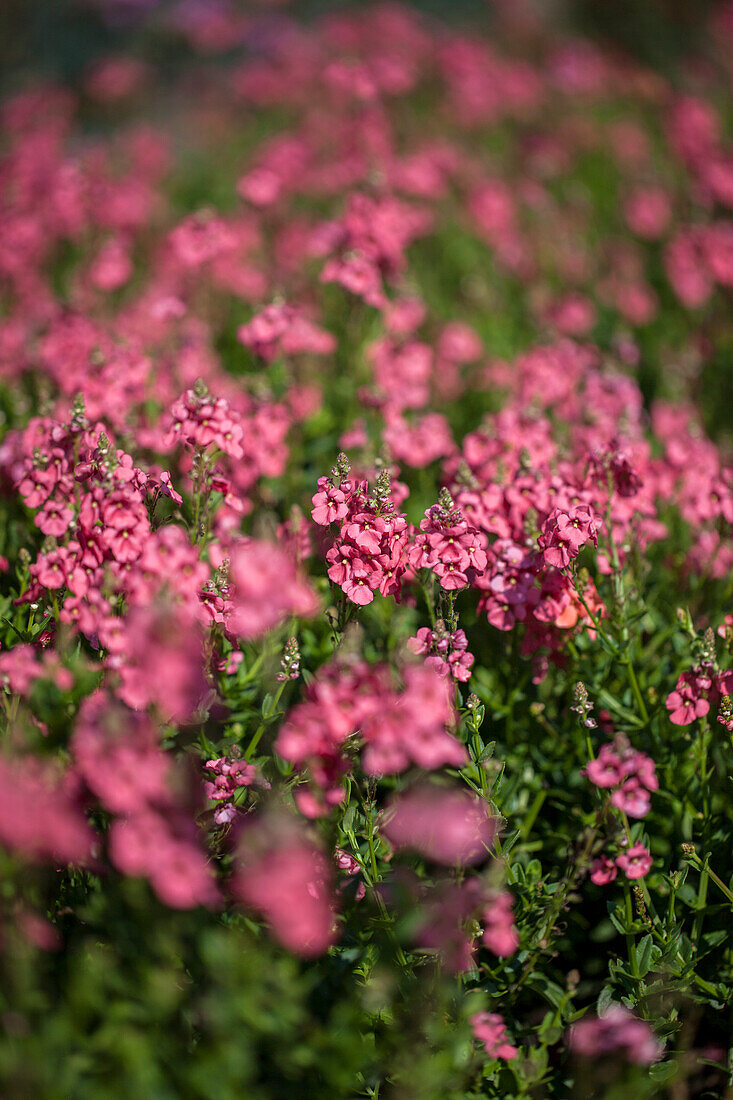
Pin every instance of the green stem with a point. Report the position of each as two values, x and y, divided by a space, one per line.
630 938
256 737
596 622
636 689
704 868
375 876
702 893
532 813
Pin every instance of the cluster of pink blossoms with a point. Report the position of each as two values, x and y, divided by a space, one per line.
449 546
452 912
565 533
283 874
616 1032
22 666
200 420
446 651
445 825
631 777
282 330
368 555
527 488
41 813
228 775
368 244
106 551
265 587
694 691
117 755
490 1030
351 707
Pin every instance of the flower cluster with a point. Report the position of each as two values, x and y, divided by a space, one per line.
368 554
200 420
689 700
347 707
446 651
616 1032
118 757
630 777
521 311
281 330
285 876
228 775
490 1030
449 546
565 533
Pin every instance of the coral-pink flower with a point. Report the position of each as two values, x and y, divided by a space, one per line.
500 934
490 1029
287 879
603 871
267 588
448 826
616 1032
635 862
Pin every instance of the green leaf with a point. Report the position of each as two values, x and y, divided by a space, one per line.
644 954
613 916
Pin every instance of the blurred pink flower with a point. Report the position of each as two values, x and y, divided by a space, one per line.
288 880
448 826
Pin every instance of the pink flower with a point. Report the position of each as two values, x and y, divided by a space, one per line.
118 754
648 211
565 533
50 569
603 871
289 882
397 728
329 503
685 703
606 769
636 862
40 814
449 546
363 578
365 531
267 589
164 850
446 652
630 773
282 330
616 1032
198 419
490 1029
367 555
54 517
448 826
227 776
500 935
632 798
349 865
161 661
112 266
444 909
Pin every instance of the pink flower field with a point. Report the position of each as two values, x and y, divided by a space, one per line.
366 555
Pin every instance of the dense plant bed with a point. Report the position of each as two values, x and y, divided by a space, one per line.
366 567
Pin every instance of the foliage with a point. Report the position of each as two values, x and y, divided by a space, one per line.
365 609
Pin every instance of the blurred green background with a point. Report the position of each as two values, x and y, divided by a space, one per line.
60 38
